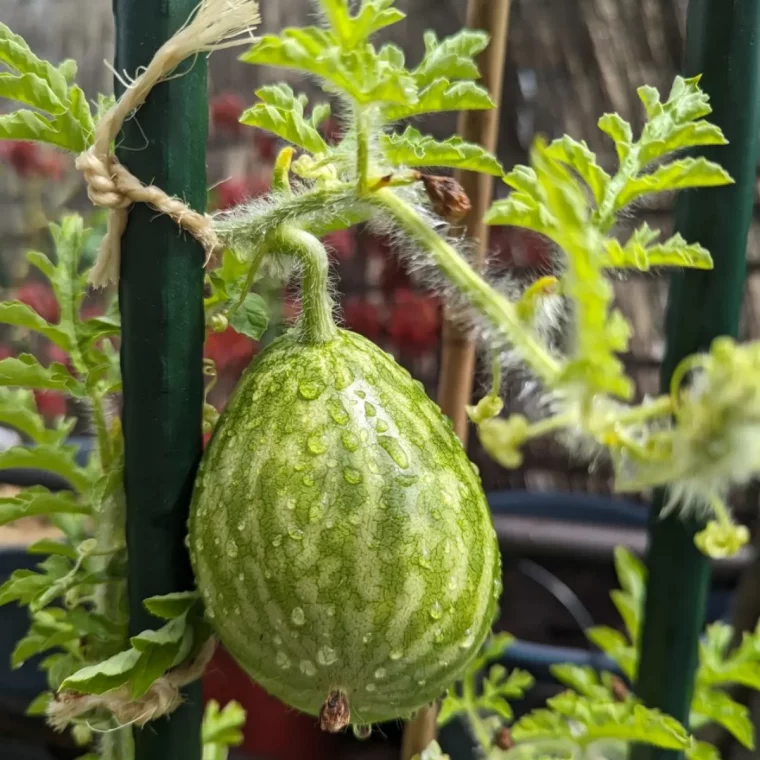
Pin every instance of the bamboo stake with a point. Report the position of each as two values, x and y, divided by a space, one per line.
458 355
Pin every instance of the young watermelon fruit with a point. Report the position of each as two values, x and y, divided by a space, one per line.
340 536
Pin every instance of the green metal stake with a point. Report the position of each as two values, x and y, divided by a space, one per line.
722 44
161 299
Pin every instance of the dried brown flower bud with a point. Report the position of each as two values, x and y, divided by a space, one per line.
503 739
619 689
447 196
335 714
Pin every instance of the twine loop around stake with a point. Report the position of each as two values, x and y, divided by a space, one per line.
216 24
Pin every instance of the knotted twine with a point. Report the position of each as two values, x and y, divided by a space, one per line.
215 25
162 698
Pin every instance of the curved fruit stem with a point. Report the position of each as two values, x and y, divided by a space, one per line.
499 310
317 324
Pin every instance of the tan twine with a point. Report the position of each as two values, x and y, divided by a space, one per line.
162 698
216 24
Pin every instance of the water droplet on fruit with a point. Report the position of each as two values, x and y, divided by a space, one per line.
267 573
241 526
310 389
332 463
438 635
407 481
468 640
307 480
217 541
369 409
370 687
291 504
352 476
277 641
209 612
337 411
380 673
237 610
282 660
297 616
394 450
316 445
326 656
362 732
436 611
232 549
199 544
331 610
315 512
296 534
361 394
350 441
372 467
241 577
452 583
276 541
475 468
307 667
354 518
300 467
447 546
396 654
421 682
363 435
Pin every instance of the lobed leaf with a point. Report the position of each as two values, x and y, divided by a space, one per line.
223 727
674 252
579 157
719 708
25 371
20 315
281 113
411 148
60 460
451 58
677 175
351 30
252 318
443 95
104 676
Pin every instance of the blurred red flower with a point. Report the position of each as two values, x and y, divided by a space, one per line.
265 144
341 244
233 192
39 297
30 159
50 404
362 317
225 112
230 350
415 320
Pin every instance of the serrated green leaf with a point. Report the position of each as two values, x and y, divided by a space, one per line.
172 605
581 678
443 95
282 113
252 318
451 58
520 210
451 706
25 371
38 706
59 667
223 727
351 30
579 157
678 175
702 751
620 131
411 148
158 650
104 676
18 409
30 90
362 73
56 459
20 315
674 252
719 708
17 55
615 645
41 262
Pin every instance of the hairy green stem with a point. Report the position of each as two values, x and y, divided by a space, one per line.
317 324
499 310
362 149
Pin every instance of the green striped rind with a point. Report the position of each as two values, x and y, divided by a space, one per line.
339 534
